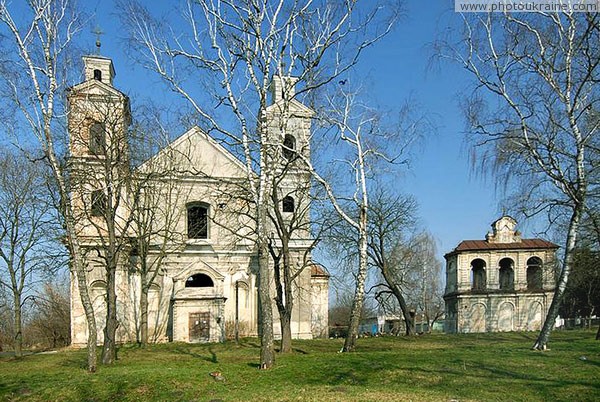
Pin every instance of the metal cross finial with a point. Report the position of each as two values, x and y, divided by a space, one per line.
98 32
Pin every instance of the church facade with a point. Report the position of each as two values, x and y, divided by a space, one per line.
502 283
185 252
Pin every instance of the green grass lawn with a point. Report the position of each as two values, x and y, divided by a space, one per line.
484 367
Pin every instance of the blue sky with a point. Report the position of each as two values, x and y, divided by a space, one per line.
455 203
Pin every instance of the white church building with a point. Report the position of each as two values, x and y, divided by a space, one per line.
202 260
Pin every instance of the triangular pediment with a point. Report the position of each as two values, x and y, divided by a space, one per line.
95 87
199 267
195 153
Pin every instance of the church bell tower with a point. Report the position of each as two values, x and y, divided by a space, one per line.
289 132
98 120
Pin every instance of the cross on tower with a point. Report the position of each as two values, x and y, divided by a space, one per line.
98 32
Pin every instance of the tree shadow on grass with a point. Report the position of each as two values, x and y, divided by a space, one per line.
545 388
248 344
530 377
78 360
211 359
457 377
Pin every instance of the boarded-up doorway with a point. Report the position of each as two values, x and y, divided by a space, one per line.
199 327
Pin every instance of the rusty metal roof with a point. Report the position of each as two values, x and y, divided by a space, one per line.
475 245
318 270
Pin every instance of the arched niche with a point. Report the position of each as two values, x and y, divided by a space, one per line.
478 274
534 274
506 274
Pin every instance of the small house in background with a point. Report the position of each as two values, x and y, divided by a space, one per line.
382 324
502 283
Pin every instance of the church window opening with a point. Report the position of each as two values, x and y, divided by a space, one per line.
98 75
534 274
507 274
197 221
478 280
100 286
289 147
199 281
288 204
97 138
98 203
98 293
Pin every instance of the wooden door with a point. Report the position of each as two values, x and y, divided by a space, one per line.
199 324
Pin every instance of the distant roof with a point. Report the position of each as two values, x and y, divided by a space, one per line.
473 245
318 270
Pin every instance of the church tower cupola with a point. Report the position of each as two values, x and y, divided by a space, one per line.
99 68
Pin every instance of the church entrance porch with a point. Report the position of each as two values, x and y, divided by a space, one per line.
198 320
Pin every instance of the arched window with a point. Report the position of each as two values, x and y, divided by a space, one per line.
289 147
98 75
97 138
197 221
478 279
98 203
288 204
534 274
199 281
99 285
507 274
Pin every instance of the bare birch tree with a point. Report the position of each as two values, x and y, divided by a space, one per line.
532 112
35 57
235 49
366 141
